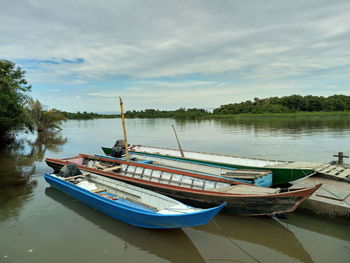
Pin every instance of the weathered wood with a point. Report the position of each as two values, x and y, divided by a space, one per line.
178 142
100 166
109 197
333 194
111 168
335 171
74 177
98 190
243 203
341 157
244 189
124 129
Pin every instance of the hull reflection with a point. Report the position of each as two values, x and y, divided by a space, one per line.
172 245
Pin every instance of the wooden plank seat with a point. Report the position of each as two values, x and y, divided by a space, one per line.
75 177
109 197
98 190
111 168
246 174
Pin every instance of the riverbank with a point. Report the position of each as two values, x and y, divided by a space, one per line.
293 115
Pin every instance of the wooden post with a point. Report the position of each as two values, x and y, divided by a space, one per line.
178 143
341 157
124 130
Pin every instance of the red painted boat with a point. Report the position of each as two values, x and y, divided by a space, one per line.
192 188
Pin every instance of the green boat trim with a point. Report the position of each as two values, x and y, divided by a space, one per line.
284 173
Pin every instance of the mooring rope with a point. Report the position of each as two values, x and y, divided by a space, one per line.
233 242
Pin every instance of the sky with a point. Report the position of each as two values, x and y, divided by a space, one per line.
84 54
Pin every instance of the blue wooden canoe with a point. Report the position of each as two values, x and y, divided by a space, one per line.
131 204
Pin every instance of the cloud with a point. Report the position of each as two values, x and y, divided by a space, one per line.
158 48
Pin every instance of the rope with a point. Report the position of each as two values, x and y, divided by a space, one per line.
233 242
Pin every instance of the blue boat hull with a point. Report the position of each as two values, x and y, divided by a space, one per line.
131 215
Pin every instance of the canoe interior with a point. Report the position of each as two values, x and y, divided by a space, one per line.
282 173
219 158
170 178
256 177
129 195
191 188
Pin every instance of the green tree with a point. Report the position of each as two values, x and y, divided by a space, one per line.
44 119
14 99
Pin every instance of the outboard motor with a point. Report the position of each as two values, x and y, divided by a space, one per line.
69 170
118 150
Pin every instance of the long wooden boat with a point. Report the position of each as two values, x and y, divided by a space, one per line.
134 236
191 187
282 171
255 177
131 204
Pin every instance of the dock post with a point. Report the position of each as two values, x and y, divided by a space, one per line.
341 157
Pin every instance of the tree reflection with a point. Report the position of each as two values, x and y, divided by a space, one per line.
17 168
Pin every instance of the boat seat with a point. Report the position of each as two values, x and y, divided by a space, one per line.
108 196
99 190
74 177
111 168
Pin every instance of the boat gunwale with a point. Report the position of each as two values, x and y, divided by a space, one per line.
124 206
195 161
164 169
305 192
216 154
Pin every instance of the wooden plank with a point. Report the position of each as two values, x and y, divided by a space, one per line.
109 197
98 190
332 194
333 172
74 177
100 166
240 176
344 173
111 168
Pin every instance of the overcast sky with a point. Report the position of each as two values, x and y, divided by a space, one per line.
82 55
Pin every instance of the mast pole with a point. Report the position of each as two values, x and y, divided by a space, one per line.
178 142
124 129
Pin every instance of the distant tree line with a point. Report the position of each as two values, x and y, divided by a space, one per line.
177 114
87 115
287 104
19 111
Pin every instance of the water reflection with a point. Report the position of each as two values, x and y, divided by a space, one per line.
172 245
288 125
249 238
319 225
18 165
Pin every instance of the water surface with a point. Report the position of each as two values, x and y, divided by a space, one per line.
41 224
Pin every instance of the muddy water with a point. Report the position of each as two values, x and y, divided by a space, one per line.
41 224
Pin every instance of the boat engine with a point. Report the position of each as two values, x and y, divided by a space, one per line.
118 150
69 170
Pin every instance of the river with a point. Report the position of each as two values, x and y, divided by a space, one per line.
40 224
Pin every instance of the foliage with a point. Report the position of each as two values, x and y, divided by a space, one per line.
13 99
45 119
177 114
87 115
287 104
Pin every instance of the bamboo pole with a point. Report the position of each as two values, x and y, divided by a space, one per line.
124 129
178 142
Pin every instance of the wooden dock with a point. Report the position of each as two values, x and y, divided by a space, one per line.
334 171
331 200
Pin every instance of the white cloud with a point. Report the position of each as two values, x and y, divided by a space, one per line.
248 47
